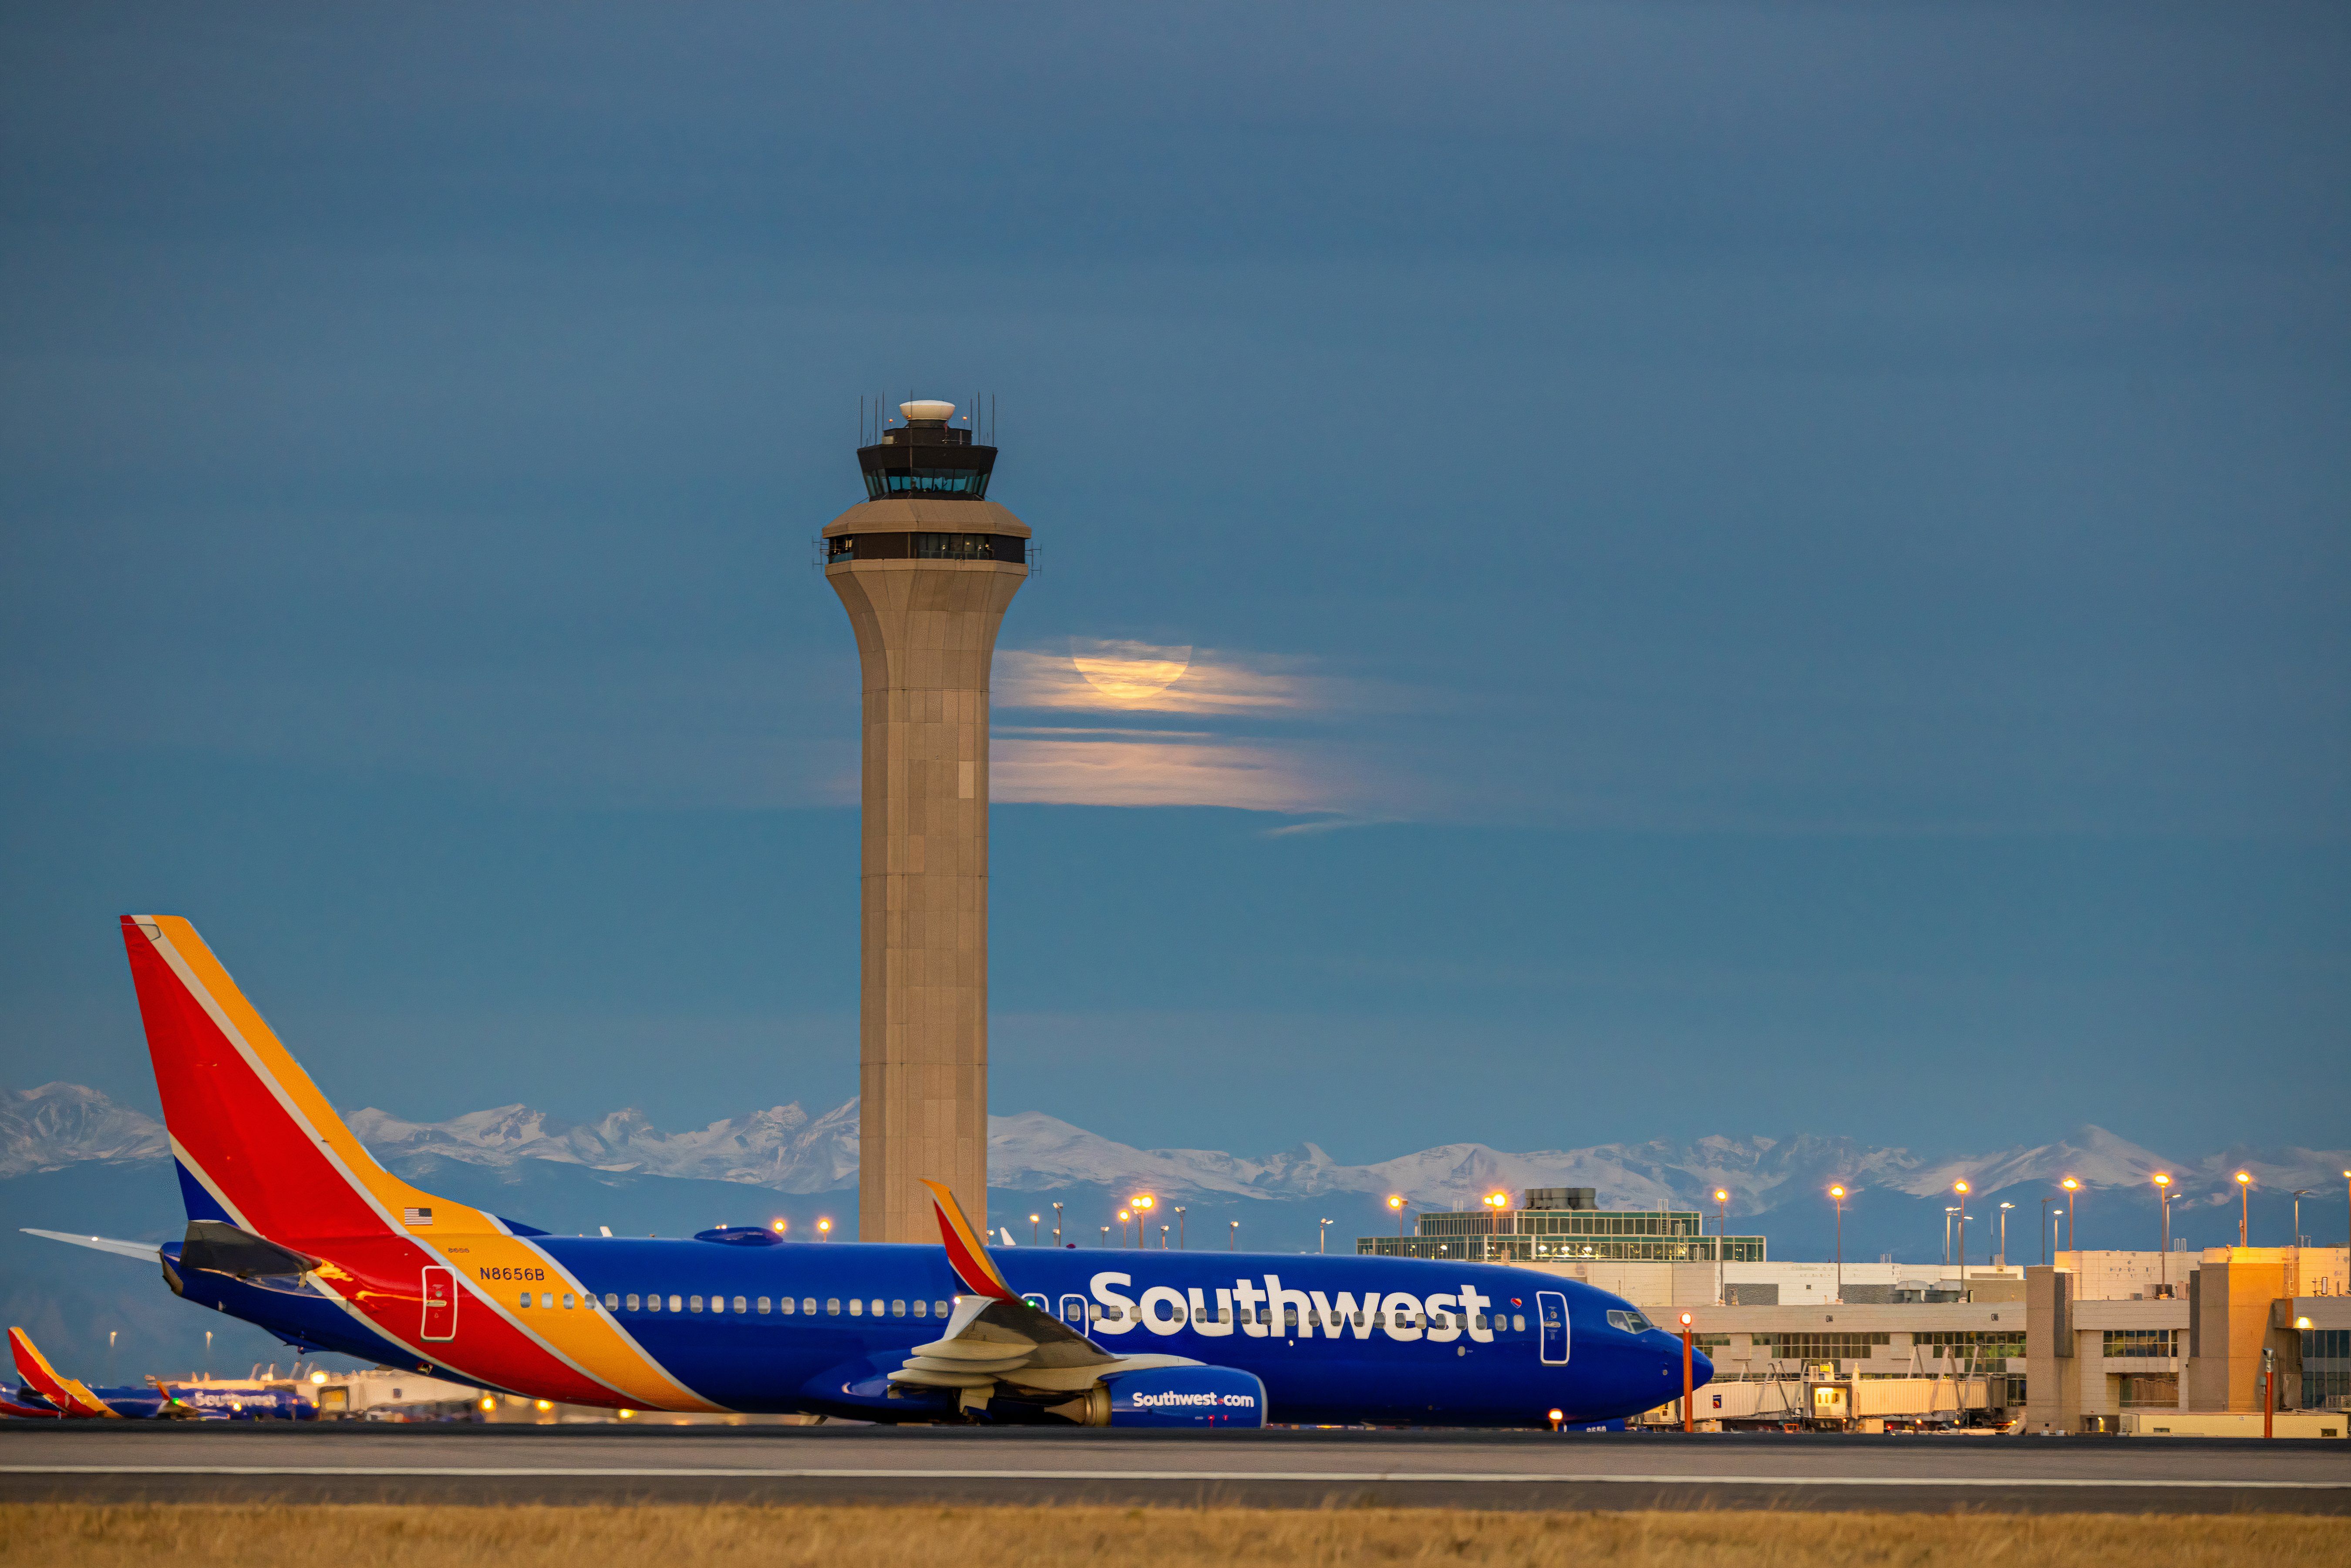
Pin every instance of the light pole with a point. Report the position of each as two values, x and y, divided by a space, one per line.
1123 1218
2001 1261
1163 1238
1057 1226
1836 1195
1179 1227
1233 1242
2299 1194
1961 1188
1032 1230
2245 1207
2163 1198
1395 1204
2073 1242
1121 1234
1689 1375
1322 1230
1721 1231
823 1229
1143 1204
1948 1210
2045 1225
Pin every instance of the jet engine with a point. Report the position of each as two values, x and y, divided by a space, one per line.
1171 1396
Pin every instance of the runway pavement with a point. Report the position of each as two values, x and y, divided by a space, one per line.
370 1462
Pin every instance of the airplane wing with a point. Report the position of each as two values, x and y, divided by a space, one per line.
995 1337
145 1251
69 1396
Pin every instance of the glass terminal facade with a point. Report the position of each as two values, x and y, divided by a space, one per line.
1548 1230
2325 1369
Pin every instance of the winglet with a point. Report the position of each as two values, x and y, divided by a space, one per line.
965 1253
69 1396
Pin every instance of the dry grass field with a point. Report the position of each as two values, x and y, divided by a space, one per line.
201 1536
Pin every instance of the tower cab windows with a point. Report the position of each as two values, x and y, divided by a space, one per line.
927 457
927 547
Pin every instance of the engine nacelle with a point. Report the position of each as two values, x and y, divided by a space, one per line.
1173 1397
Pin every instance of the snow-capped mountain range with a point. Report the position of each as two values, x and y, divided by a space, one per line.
786 1150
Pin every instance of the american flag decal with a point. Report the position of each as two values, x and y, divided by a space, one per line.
416 1217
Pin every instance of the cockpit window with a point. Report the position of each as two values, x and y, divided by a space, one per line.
1630 1322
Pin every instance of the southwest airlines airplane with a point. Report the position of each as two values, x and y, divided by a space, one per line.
44 1392
292 1226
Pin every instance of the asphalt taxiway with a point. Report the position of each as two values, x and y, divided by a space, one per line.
95 1461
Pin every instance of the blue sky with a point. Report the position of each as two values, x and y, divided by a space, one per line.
1733 568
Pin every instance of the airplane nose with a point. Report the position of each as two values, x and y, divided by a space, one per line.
1701 1369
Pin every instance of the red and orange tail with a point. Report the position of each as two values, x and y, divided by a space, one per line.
69 1396
257 1144
969 1259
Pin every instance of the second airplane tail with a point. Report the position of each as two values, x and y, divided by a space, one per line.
71 1397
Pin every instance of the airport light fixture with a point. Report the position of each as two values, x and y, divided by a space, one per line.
1948 1209
1233 1242
823 1229
1961 1188
1395 1206
1123 1218
1057 1226
1163 1239
2163 1198
1322 1232
1106 1240
2071 1186
2299 1194
1837 1196
2245 1209
1179 1227
1033 1229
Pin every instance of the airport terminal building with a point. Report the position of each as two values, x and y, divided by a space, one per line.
2144 1342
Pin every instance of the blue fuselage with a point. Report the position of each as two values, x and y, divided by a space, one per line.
818 1327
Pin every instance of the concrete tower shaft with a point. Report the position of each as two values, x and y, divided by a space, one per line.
925 579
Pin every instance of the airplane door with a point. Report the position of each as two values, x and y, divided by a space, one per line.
1550 1310
440 1305
1074 1312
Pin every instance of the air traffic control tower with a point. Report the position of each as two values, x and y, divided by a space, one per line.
925 567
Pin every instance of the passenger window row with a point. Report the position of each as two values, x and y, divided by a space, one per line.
785 1306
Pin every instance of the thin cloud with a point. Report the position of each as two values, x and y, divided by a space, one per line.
1088 770
1120 676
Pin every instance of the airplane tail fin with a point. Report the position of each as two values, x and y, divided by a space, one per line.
257 1146
69 1396
966 1252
